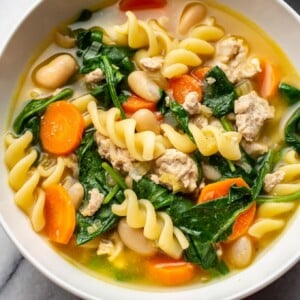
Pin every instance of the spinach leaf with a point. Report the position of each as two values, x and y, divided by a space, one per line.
93 175
292 131
88 228
158 195
114 61
219 95
178 112
211 221
34 109
264 166
289 92
208 223
244 168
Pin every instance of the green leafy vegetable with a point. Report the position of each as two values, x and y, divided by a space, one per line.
93 175
290 93
158 195
219 95
292 131
277 199
34 109
178 113
114 61
264 166
208 223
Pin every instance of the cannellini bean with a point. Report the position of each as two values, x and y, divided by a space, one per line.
76 192
141 84
146 120
134 239
192 14
240 252
57 72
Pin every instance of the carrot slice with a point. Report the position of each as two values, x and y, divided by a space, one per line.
168 271
199 73
135 103
220 189
268 79
182 85
59 214
62 127
141 4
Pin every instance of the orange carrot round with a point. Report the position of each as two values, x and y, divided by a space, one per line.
168 271
182 85
220 189
59 214
200 72
62 127
135 103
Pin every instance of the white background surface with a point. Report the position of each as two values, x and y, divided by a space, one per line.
19 280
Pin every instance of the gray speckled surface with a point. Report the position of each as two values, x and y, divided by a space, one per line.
19 280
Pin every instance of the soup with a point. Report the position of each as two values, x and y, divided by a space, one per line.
147 153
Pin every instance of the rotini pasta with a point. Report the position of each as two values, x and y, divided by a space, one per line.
142 146
81 103
158 226
209 140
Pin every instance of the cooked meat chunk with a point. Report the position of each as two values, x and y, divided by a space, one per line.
95 201
118 157
232 58
152 64
272 179
191 103
255 149
180 166
251 113
94 76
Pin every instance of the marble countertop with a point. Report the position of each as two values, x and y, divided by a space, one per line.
19 280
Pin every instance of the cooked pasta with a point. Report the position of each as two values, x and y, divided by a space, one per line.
142 146
209 140
157 226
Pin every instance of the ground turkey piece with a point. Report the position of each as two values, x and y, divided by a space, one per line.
272 179
232 58
192 103
118 157
95 201
179 165
251 113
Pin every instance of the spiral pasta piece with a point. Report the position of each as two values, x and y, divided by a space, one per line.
291 170
211 140
142 146
81 103
23 179
158 226
263 226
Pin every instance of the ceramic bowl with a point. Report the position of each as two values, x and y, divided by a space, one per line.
271 263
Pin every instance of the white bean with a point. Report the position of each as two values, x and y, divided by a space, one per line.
76 192
240 252
192 14
134 239
146 120
142 85
57 72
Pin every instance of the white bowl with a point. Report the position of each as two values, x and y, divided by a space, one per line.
277 19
